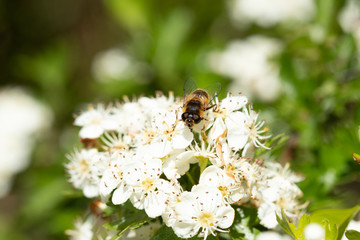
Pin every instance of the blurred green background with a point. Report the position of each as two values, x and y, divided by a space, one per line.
72 53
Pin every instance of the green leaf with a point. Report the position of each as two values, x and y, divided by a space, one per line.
245 217
359 133
331 230
352 235
299 231
340 217
202 163
286 226
131 221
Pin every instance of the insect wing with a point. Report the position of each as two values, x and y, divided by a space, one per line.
213 90
190 86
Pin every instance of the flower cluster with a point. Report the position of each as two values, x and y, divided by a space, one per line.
141 151
268 13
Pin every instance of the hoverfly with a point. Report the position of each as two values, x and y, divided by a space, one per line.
196 101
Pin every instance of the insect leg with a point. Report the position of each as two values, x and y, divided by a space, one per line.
210 107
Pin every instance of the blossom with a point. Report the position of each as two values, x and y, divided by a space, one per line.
83 230
112 178
243 129
149 191
85 169
205 211
248 62
278 191
314 231
349 17
17 136
148 156
268 13
221 112
112 64
349 20
214 176
95 121
170 134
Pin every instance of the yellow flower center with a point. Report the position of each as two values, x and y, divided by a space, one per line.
221 113
149 135
223 190
206 219
148 185
83 166
169 133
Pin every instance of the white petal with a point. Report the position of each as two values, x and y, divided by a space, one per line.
183 138
160 149
108 183
155 204
237 134
217 129
174 168
91 191
266 213
91 131
211 176
187 200
122 194
249 150
109 124
185 230
226 215
233 103
138 199
86 117
209 197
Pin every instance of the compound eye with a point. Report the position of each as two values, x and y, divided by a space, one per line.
184 116
197 119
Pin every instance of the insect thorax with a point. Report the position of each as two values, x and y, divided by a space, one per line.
194 106
200 93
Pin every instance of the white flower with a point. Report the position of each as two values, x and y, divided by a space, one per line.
248 63
349 20
349 17
82 231
95 121
170 134
205 211
113 178
221 112
176 164
277 192
130 117
267 13
22 120
314 231
149 191
113 64
116 142
243 129
85 169
214 176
